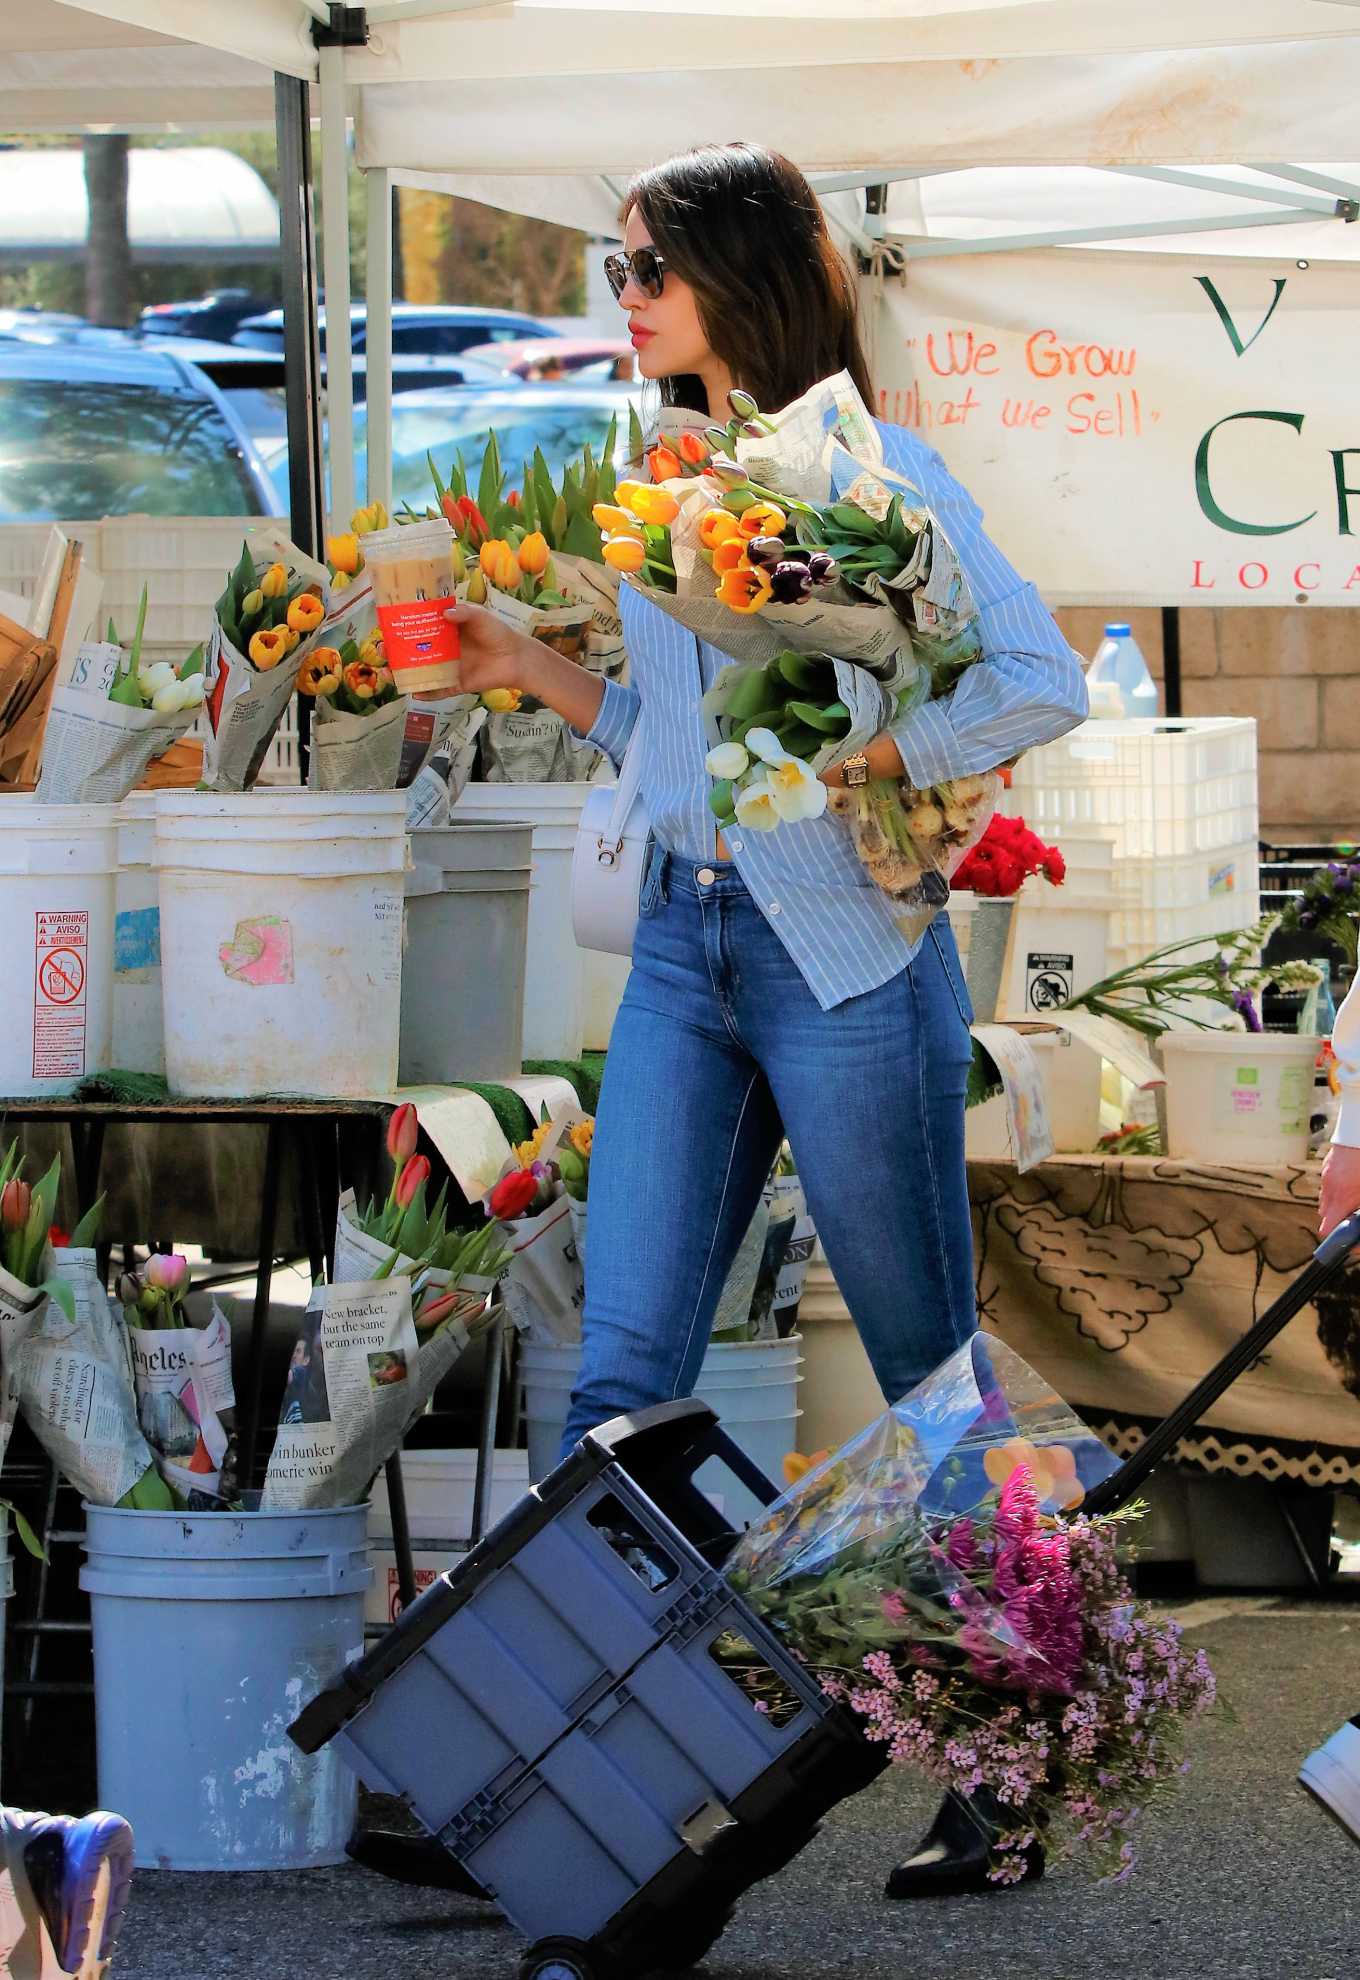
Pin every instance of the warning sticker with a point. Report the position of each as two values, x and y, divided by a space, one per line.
1048 980
60 950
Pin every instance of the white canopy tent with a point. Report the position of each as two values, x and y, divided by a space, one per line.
200 202
546 106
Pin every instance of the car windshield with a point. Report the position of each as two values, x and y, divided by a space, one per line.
82 448
263 413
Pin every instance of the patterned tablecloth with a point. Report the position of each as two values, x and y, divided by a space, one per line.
1125 1280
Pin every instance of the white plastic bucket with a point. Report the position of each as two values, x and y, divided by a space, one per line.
752 1386
1071 1074
1238 1096
281 915
138 1024
467 903
57 866
440 1486
1059 944
570 994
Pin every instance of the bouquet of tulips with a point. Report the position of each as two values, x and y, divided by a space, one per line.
540 1199
272 608
409 1295
66 1353
938 1577
532 555
186 1401
788 543
116 714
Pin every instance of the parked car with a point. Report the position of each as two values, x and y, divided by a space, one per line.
217 315
432 332
583 358
88 432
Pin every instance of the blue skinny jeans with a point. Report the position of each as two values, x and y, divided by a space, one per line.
718 1050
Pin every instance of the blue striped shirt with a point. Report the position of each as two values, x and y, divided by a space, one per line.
838 927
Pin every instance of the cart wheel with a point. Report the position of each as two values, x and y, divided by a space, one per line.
558 1959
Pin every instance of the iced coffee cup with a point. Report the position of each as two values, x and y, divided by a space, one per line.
412 572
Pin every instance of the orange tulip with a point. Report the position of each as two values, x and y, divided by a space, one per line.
499 564
693 449
665 465
744 591
268 647
624 553
320 671
717 526
730 555
361 680
625 491
533 554
305 613
615 521
344 553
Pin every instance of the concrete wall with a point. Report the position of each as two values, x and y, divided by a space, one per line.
1297 671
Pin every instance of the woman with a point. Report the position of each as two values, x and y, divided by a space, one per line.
771 990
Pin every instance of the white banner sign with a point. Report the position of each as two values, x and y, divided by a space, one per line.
1141 429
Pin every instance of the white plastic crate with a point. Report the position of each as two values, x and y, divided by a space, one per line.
1154 788
182 560
1159 901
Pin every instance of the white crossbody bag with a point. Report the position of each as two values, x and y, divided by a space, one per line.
610 859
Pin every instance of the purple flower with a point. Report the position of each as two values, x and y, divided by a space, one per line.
823 568
1244 1004
1307 918
790 584
765 552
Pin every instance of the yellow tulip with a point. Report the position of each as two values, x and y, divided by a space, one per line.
364 521
655 505
361 680
292 637
717 526
744 590
320 671
340 579
275 581
533 554
252 604
624 553
625 491
344 553
267 648
502 701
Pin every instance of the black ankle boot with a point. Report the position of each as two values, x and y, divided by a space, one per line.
409 1859
955 1855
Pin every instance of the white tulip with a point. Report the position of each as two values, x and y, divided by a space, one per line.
151 679
765 744
796 791
728 760
191 690
169 700
755 808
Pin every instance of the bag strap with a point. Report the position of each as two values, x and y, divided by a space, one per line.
629 784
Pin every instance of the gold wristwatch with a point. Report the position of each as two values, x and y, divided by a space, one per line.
855 771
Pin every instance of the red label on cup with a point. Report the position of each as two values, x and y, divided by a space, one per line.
418 634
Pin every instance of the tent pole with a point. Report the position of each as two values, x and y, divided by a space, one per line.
301 356
378 289
335 248
1171 658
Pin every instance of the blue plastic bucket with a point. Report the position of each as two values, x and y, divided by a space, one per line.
211 1632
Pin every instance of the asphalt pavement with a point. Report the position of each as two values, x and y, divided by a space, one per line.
1240 1876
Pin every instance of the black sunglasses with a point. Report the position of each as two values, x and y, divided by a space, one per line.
645 266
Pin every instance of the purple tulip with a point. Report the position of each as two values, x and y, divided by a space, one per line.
790 584
765 552
823 568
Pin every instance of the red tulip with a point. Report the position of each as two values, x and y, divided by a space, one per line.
16 1200
436 1310
415 1173
403 1130
57 1237
512 1195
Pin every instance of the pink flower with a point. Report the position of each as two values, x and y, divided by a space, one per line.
168 1272
403 1131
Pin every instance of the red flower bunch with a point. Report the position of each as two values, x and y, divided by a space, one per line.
1005 856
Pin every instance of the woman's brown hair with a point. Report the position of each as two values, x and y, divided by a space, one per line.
776 299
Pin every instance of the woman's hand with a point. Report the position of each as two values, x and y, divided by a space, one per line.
884 758
491 653
1340 1192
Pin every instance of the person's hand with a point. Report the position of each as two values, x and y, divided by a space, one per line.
1340 1192
491 653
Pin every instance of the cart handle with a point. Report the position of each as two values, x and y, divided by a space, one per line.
1326 1262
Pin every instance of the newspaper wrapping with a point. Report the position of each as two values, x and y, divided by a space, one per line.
20 1312
358 1256
244 704
387 750
95 750
444 778
76 1389
533 745
543 1285
358 1377
732 1320
186 1407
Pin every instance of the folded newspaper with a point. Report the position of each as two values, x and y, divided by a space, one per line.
186 1407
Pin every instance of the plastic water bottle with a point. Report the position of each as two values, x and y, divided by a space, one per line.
1118 679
